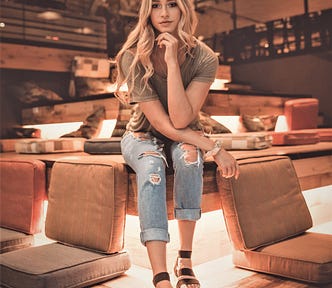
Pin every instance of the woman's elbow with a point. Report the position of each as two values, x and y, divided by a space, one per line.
179 126
180 123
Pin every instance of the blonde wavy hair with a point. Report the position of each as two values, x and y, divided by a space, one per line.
141 42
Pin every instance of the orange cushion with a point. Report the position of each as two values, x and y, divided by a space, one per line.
23 190
301 113
265 205
92 191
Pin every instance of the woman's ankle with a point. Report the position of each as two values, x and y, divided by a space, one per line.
162 280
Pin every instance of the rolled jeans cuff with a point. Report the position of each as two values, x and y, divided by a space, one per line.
187 214
154 234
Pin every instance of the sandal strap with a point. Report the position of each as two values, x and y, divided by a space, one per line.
185 254
160 277
186 272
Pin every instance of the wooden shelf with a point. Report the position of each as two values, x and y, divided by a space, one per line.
69 112
27 57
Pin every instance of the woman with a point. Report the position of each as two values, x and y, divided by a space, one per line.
168 73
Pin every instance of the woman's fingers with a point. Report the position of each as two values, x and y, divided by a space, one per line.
228 165
166 39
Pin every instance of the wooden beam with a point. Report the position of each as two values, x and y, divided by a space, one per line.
26 57
236 104
70 112
314 172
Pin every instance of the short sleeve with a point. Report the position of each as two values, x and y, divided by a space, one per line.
140 92
207 65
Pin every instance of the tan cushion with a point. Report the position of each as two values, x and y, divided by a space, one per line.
56 265
265 205
23 190
307 257
11 240
92 191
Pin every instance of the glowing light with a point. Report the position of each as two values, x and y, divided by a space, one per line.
281 124
219 84
49 15
55 130
231 122
107 129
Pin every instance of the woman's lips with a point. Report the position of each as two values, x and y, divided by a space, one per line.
165 22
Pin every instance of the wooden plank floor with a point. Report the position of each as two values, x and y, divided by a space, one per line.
219 273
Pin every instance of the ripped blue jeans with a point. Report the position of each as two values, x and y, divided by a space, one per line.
146 155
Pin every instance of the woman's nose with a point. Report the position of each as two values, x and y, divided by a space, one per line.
164 11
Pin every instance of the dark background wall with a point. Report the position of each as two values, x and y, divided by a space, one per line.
305 74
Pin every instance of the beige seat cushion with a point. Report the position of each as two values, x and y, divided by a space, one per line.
307 257
87 203
56 265
265 205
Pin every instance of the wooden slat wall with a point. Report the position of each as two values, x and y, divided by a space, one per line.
23 23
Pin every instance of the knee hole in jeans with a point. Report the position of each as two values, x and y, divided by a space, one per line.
190 153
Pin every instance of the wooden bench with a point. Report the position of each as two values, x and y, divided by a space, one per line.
313 165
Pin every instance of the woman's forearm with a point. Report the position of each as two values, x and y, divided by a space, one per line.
160 120
185 135
179 108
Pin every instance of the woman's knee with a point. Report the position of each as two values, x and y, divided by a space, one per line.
187 155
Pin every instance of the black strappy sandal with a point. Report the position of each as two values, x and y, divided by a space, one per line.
160 277
185 276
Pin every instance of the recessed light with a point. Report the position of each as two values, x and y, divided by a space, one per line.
49 15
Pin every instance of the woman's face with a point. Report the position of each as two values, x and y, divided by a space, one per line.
165 15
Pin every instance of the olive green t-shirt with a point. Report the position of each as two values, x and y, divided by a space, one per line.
200 66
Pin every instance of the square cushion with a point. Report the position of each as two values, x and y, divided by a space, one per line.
301 113
40 146
307 257
23 190
243 141
87 203
103 145
12 240
265 205
56 265
266 218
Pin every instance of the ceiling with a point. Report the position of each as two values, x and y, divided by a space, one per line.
214 16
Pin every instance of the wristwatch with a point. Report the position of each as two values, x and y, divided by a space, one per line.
214 151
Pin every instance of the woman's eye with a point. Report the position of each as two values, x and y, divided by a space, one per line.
156 6
172 4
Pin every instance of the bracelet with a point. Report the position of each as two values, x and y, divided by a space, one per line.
215 150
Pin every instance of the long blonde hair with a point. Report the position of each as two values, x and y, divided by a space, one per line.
141 42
